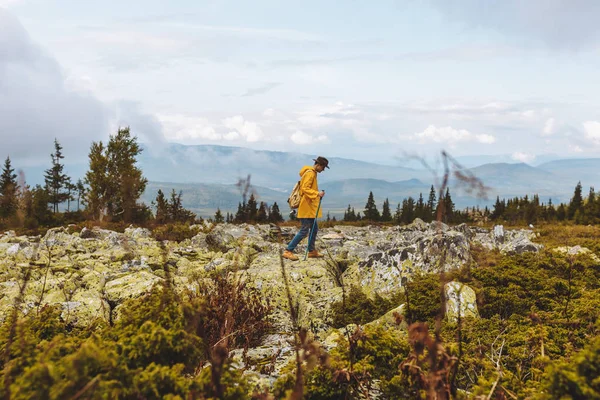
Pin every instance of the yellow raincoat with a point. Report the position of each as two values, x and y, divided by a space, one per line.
310 193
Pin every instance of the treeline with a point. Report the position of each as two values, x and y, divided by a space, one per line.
517 210
409 209
252 212
579 210
110 191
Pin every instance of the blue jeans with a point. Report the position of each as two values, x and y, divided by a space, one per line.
307 225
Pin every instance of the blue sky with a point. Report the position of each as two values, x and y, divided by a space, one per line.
365 80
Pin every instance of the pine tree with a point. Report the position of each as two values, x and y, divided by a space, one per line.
561 212
274 214
162 208
41 214
349 215
57 182
576 203
398 214
590 207
408 210
386 214
448 205
431 205
9 201
219 216
252 208
371 212
262 214
100 189
115 182
126 179
241 215
80 187
177 213
420 207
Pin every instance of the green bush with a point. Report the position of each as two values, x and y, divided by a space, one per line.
359 308
174 232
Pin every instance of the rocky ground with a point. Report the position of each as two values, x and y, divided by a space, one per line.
92 272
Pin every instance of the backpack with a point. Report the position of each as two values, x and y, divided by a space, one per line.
296 195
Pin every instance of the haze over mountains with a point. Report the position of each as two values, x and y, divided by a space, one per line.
207 175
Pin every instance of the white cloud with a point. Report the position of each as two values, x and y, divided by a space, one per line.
592 131
303 138
575 149
231 136
549 127
450 135
523 157
182 127
247 129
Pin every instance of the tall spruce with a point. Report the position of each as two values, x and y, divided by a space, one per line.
57 182
448 206
100 189
371 212
252 208
431 205
576 203
9 199
162 207
591 207
262 213
219 217
80 187
274 214
386 214
115 182
420 208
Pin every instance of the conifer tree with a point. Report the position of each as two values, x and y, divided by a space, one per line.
408 210
371 212
274 214
262 214
431 205
162 207
420 207
115 182
241 215
448 205
576 203
57 182
386 214
177 213
349 214
219 216
251 208
80 191
561 212
591 207
9 201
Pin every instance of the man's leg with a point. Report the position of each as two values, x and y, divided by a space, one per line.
313 235
304 230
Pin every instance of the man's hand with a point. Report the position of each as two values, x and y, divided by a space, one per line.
321 193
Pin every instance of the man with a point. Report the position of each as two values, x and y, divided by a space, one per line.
307 210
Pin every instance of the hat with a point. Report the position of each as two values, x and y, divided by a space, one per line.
322 161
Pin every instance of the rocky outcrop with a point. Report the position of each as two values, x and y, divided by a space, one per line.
91 272
509 242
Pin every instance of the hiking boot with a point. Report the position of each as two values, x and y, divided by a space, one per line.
315 254
290 256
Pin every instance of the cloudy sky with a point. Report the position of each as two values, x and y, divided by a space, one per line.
358 79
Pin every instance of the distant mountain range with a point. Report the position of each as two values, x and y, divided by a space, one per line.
206 174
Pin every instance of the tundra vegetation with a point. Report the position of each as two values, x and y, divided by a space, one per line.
535 335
